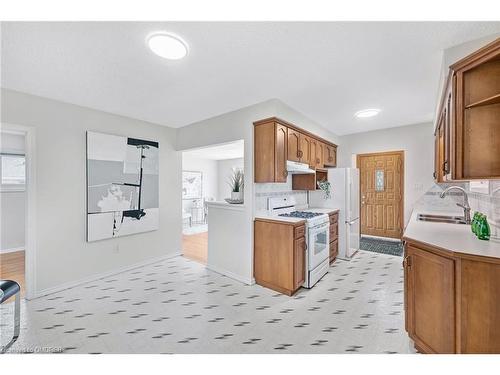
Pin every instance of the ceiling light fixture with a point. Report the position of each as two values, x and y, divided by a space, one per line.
365 113
167 45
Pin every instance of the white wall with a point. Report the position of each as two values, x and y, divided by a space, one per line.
12 215
238 125
418 143
62 254
209 175
224 172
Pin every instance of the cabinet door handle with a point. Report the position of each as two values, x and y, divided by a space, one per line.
407 262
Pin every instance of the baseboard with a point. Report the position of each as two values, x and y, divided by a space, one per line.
92 278
11 250
244 280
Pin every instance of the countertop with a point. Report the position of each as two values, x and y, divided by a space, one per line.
265 215
455 238
225 205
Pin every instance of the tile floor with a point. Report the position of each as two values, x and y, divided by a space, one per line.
177 306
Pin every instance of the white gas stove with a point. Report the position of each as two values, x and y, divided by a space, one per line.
317 236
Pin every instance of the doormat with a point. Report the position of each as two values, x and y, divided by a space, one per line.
381 246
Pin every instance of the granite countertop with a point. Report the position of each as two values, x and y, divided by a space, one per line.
455 238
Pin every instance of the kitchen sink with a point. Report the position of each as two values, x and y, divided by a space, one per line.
441 219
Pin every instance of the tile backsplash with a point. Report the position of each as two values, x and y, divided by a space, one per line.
489 204
264 191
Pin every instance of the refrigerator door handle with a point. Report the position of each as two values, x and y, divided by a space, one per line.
351 222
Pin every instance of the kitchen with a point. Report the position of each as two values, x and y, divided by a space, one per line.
365 219
296 240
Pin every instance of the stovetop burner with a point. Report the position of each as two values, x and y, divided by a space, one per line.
301 214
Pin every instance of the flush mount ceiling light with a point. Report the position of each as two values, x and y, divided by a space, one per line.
364 113
167 45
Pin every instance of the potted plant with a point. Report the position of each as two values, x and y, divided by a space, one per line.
326 187
236 182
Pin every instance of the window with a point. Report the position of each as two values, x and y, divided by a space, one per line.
379 180
13 171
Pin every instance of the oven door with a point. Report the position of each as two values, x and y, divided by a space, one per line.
318 245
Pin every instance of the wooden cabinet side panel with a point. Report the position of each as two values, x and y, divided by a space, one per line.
273 254
299 262
264 154
479 307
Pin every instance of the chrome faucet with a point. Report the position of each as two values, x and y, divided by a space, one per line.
465 204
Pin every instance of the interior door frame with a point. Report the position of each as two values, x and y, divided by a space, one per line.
402 184
30 246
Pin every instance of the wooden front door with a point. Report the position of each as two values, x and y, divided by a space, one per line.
382 196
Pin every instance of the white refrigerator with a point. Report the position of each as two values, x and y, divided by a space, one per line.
344 196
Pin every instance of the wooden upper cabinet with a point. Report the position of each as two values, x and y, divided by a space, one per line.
304 148
276 141
430 300
473 113
330 156
280 152
320 155
270 152
312 152
293 145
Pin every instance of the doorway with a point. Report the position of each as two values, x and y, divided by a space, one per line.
382 193
13 206
206 173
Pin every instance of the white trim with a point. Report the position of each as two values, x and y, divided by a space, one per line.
100 276
30 207
12 188
244 280
11 250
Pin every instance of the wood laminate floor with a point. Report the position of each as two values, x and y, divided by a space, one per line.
12 267
195 247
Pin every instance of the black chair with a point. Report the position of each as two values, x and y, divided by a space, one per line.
9 288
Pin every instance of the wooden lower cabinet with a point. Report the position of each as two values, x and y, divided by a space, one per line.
334 230
430 300
279 255
451 300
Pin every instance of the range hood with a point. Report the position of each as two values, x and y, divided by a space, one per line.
294 167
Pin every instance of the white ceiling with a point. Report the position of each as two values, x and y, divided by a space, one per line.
232 150
326 70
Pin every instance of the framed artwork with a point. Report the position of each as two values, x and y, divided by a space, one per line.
192 185
122 186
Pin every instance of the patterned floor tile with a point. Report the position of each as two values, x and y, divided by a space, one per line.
178 306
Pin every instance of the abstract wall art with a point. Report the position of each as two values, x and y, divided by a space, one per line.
122 186
192 184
